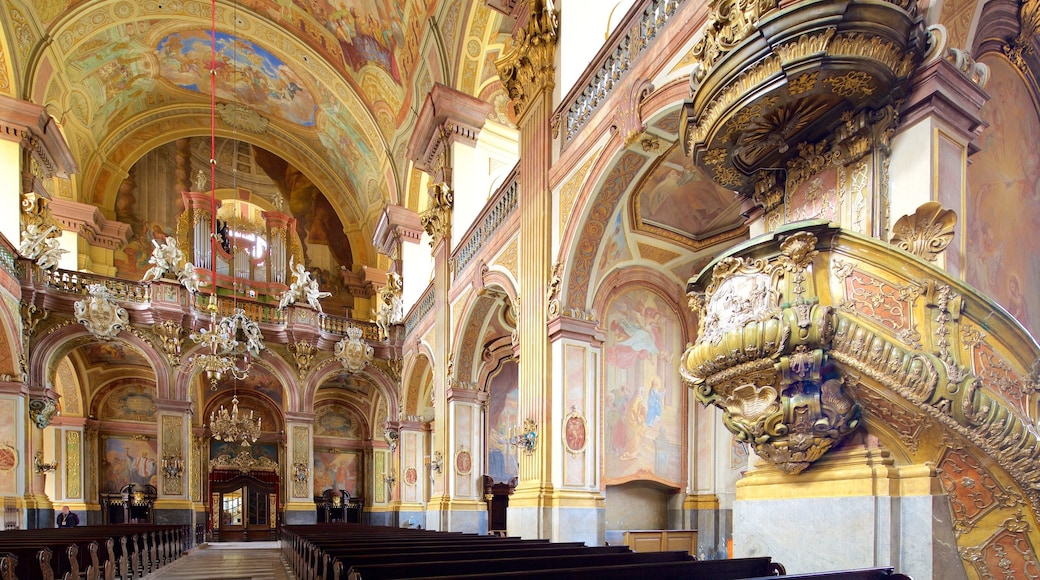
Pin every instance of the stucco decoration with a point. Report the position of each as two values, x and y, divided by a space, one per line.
761 358
100 313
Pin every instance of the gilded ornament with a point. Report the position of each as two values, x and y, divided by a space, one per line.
170 337
927 232
100 313
303 353
530 66
855 83
802 84
552 294
353 352
436 220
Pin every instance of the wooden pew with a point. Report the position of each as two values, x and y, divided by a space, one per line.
98 549
494 566
734 569
882 573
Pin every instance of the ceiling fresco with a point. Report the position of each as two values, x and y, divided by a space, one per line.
677 202
333 84
244 73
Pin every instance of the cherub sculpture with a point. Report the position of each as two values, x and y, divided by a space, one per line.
37 245
303 288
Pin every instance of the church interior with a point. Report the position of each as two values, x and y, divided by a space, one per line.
753 274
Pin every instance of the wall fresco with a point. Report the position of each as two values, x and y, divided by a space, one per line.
129 460
643 407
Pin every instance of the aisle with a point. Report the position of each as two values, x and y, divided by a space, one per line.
229 561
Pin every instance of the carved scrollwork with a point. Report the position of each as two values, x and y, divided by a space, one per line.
530 66
436 220
170 337
303 352
100 313
42 411
927 232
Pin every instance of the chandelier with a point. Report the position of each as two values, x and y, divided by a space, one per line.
230 427
226 342
230 342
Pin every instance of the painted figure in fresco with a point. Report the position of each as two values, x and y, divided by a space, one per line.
654 402
142 467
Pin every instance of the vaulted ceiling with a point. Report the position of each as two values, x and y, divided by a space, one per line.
330 86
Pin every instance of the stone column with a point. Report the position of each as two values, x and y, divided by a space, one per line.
930 154
14 480
528 73
436 516
448 126
299 473
464 464
578 509
174 506
70 476
415 470
41 459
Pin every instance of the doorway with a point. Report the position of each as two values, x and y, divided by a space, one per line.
243 509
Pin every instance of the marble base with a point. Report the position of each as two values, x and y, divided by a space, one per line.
378 518
173 517
410 519
912 534
39 518
466 521
714 530
294 518
580 524
562 524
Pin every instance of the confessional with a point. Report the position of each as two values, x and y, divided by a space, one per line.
131 505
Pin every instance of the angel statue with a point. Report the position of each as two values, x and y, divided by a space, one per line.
303 288
390 310
165 258
36 245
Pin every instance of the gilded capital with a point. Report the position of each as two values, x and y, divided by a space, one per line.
529 67
437 219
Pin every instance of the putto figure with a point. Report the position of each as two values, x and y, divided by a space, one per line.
304 287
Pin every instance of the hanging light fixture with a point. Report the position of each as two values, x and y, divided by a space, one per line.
230 427
231 342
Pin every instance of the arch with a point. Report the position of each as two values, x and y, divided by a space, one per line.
128 412
273 363
415 380
275 415
375 375
12 349
58 342
9 81
339 98
581 255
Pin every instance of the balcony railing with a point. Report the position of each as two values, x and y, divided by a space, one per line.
632 36
79 282
498 208
419 311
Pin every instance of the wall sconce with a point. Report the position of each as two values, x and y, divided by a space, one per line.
437 463
527 438
40 467
390 479
172 466
299 472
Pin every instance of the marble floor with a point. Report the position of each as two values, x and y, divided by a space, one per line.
229 561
